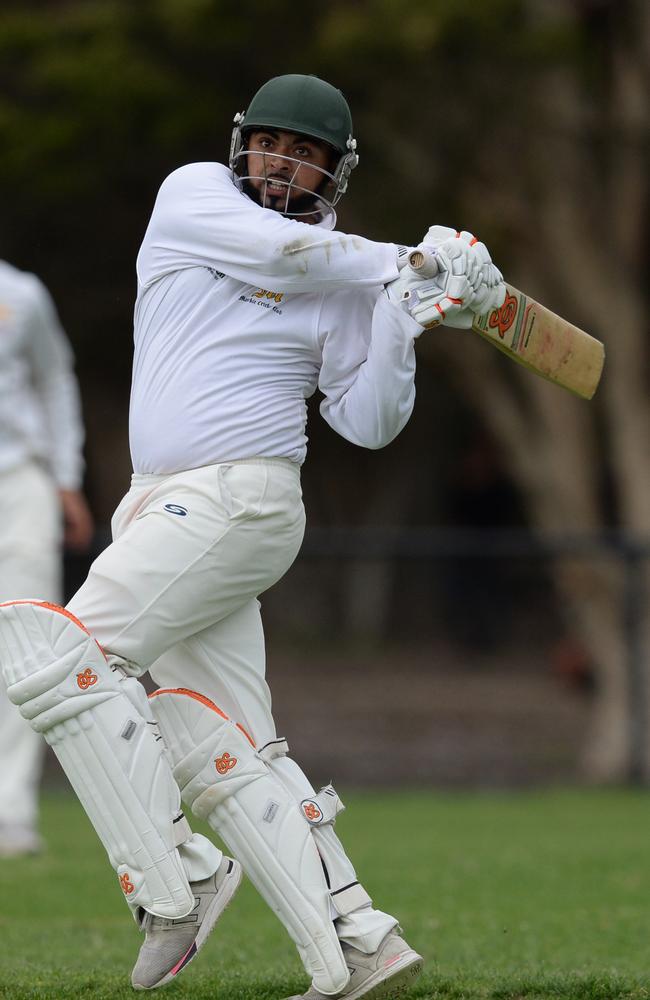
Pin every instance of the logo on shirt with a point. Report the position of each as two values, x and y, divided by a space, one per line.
263 297
262 293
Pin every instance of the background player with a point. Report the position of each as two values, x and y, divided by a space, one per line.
248 301
41 465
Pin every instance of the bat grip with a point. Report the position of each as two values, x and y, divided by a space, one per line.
424 263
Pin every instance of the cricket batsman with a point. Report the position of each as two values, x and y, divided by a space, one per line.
248 300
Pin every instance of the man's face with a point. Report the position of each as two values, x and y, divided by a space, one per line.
277 158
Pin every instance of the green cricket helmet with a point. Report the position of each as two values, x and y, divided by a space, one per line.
308 106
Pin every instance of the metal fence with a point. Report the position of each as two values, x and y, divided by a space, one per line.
628 550
416 554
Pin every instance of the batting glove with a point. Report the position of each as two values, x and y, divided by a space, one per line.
429 301
462 255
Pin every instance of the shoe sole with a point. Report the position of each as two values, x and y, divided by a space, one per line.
391 982
214 911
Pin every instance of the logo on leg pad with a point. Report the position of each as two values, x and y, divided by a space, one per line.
126 884
311 811
86 678
225 763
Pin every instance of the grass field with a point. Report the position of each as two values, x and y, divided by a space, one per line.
540 895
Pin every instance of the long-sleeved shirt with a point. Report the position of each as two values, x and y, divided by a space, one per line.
40 416
241 314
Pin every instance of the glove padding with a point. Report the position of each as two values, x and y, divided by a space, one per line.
430 301
467 282
463 256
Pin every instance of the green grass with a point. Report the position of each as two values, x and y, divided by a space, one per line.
536 896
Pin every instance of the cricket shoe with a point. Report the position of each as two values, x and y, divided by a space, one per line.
170 945
386 973
18 841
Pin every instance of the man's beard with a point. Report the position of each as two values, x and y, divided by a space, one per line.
301 205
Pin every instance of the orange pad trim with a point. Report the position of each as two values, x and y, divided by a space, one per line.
52 607
59 610
204 701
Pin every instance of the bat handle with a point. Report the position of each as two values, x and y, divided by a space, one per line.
424 263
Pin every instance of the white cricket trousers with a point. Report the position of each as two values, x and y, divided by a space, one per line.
176 594
30 566
176 591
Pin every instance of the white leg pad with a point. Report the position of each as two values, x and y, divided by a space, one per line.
112 755
225 781
320 810
358 922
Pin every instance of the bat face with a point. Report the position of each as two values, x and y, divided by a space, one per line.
544 342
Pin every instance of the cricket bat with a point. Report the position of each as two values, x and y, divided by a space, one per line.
534 336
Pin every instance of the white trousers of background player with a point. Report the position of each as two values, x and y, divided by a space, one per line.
176 594
30 566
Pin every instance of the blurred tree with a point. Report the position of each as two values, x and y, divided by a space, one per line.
571 198
524 120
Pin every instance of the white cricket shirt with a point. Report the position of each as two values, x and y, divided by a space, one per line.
241 314
39 401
